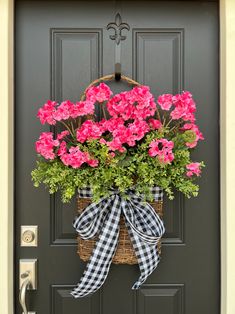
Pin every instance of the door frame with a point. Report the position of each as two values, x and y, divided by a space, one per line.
227 165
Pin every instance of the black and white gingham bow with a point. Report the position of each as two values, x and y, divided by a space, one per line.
144 227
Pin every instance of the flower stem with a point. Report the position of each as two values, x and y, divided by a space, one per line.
175 126
68 128
103 110
169 122
72 127
79 122
158 114
164 120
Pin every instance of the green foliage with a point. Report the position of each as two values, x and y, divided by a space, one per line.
135 168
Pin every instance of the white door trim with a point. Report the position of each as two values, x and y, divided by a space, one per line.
227 131
6 158
227 154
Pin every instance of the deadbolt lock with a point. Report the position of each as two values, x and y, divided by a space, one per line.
29 236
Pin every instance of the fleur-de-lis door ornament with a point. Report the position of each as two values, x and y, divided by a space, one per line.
118 26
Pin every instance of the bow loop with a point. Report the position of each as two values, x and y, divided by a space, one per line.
143 220
91 220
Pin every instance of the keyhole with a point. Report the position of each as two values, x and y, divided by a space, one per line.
28 236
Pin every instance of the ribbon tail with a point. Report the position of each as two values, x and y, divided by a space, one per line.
98 266
145 229
148 261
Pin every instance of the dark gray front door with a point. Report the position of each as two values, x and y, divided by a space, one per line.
60 47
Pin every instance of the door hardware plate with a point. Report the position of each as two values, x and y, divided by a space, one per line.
29 236
28 265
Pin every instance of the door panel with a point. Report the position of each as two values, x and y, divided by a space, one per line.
60 47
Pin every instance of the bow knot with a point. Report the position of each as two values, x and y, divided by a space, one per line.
144 227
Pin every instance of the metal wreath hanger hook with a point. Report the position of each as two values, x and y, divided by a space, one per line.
118 26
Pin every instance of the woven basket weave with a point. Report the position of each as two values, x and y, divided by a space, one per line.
125 253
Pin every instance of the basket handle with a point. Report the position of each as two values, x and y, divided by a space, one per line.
109 77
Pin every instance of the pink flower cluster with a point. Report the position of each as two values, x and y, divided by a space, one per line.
128 111
46 113
98 93
89 130
165 101
46 144
183 105
52 112
122 134
154 124
131 118
75 158
193 168
137 103
195 129
62 135
162 149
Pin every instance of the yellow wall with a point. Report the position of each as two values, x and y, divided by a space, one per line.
227 37
6 157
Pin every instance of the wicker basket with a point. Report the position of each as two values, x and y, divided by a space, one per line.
125 253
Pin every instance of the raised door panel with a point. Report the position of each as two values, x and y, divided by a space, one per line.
158 53
63 303
158 61
168 298
76 60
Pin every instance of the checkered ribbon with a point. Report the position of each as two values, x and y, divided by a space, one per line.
144 227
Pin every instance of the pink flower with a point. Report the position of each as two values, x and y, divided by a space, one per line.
62 135
193 168
93 162
46 144
154 124
142 111
46 113
128 134
141 94
165 101
163 149
75 158
82 108
111 124
138 129
98 93
116 144
122 134
145 105
62 149
120 106
67 110
63 111
89 130
195 129
102 141
184 107
137 103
